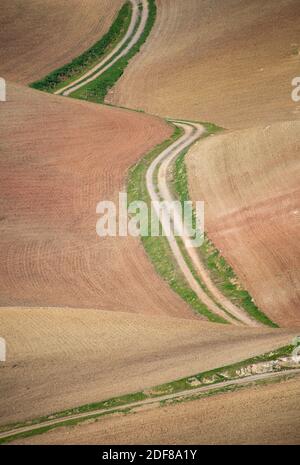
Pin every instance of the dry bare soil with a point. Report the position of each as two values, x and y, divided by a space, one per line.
262 415
58 159
229 62
38 36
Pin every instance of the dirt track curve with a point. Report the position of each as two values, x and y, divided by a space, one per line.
134 32
192 132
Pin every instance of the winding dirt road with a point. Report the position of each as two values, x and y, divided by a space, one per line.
133 34
219 304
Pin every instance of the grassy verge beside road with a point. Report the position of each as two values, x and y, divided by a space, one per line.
209 380
158 248
220 271
80 65
97 90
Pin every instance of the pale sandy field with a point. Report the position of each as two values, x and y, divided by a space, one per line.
62 358
260 415
230 62
58 159
250 183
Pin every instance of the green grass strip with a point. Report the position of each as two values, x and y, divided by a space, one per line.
158 248
97 90
217 375
214 377
225 389
46 429
220 271
80 65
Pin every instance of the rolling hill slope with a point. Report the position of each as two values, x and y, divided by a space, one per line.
198 422
38 36
229 62
58 159
61 358
86 318
249 180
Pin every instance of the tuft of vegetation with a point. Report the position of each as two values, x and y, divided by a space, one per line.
97 90
80 65
216 375
220 271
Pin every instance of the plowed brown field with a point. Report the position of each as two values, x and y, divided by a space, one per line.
229 62
250 182
38 36
58 159
225 62
262 415
60 358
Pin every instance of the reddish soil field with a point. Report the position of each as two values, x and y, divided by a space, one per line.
58 159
